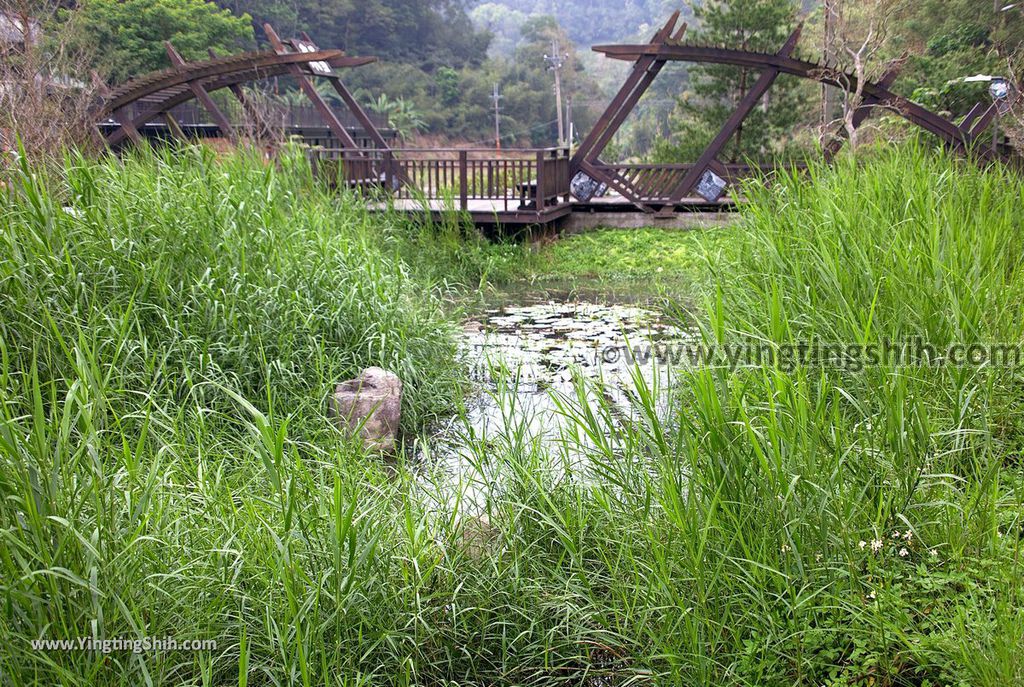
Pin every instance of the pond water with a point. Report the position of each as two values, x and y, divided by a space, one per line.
530 356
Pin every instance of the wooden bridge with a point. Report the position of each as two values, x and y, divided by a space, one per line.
514 187
527 186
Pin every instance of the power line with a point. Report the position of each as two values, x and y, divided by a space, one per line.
513 135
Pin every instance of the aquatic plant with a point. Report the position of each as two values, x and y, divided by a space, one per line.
169 326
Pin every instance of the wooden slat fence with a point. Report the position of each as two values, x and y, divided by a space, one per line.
511 181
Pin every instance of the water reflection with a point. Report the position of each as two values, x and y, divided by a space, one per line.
524 359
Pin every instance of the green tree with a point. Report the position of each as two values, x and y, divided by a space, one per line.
757 25
951 39
447 81
529 103
427 33
402 115
128 35
504 23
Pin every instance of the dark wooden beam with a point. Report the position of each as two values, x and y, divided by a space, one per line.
972 115
863 111
201 95
358 112
645 70
331 119
246 67
609 176
984 121
174 127
747 104
909 110
128 127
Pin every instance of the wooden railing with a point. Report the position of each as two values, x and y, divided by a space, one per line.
655 182
507 181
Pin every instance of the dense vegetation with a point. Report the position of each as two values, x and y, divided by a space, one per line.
441 59
126 37
171 325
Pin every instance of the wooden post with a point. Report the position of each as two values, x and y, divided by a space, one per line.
541 178
314 164
123 117
174 127
464 180
389 172
565 174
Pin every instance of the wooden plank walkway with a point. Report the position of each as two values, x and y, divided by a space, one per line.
507 188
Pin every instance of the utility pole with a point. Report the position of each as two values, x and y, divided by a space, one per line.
497 118
569 125
555 62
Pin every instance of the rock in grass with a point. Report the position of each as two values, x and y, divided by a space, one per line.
478 536
369 406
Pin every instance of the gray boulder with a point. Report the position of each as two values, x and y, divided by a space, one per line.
371 406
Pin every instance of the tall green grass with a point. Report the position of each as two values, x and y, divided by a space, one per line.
165 468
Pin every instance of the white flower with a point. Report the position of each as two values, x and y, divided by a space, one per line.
908 536
904 553
934 553
896 534
785 548
876 545
872 594
817 557
862 544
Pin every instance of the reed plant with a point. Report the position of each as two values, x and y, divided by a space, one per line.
169 327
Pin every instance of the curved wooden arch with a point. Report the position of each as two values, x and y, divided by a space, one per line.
668 46
236 68
154 95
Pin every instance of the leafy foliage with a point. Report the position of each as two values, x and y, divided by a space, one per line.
127 36
950 40
586 22
402 115
169 326
429 33
756 25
